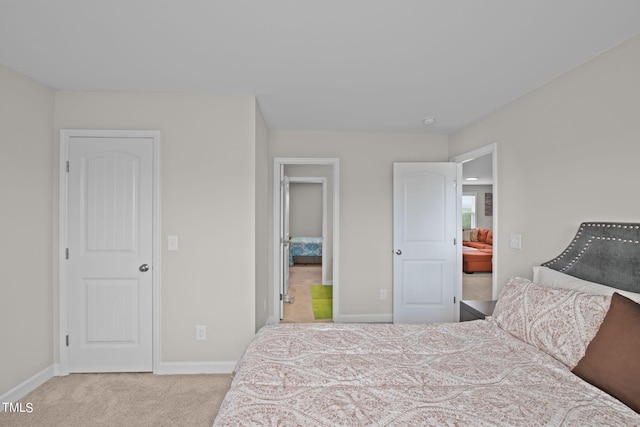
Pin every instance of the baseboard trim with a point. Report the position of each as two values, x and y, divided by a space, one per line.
180 368
26 387
364 318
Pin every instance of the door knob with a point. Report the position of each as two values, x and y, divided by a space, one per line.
144 267
398 252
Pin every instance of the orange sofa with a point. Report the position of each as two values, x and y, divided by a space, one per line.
481 239
480 257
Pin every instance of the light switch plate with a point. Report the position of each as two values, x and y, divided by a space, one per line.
201 332
515 241
172 243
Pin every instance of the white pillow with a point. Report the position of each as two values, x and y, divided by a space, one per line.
560 322
548 277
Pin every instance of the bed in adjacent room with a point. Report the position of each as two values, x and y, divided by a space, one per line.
305 250
562 351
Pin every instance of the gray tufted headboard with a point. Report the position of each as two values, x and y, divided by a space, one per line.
603 252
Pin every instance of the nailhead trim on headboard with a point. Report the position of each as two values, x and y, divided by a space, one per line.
613 264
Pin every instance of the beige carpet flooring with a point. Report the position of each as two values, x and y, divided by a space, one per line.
138 399
301 277
477 286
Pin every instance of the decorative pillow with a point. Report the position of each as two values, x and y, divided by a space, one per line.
489 240
560 322
612 360
482 234
466 235
549 277
474 234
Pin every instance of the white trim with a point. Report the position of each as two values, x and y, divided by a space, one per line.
470 155
323 181
26 387
364 318
478 152
181 368
62 368
277 163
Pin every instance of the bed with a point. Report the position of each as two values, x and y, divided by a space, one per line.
305 250
542 359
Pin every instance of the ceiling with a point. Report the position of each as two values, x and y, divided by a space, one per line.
478 171
331 65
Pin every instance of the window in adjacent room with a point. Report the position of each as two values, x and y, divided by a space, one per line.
469 210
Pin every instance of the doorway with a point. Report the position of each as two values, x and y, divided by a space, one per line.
480 184
307 235
305 171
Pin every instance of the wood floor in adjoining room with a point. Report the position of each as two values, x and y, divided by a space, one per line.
301 277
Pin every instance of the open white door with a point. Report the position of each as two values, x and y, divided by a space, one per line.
110 230
425 222
284 239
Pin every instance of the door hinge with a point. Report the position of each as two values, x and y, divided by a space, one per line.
67 166
280 297
67 340
455 183
455 241
454 300
66 253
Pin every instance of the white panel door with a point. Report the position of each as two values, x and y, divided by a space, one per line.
284 238
110 239
286 233
424 231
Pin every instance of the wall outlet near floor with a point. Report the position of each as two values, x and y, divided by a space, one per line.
383 294
201 332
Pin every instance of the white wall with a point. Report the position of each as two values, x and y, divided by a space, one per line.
26 227
262 220
208 199
567 153
366 161
305 210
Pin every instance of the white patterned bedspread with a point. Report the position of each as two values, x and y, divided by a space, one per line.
467 374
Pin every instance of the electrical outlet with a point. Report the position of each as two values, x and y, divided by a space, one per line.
383 294
201 332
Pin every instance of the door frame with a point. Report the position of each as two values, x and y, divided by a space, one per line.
62 368
278 162
323 181
463 158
